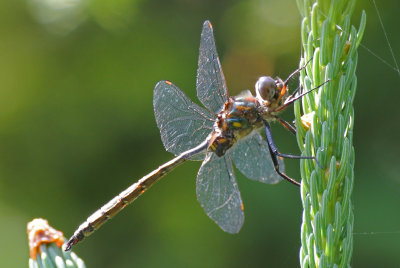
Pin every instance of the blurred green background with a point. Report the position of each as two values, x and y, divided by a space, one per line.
77 127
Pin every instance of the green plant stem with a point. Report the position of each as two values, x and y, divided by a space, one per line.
330 43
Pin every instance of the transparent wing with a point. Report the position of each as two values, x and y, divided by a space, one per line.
218 193
251 156
182 123
211 86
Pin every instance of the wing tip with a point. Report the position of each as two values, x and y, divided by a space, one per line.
235 229
208 24
163 82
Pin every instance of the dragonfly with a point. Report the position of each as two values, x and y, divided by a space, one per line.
227 131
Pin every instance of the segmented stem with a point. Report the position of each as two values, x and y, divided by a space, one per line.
330 42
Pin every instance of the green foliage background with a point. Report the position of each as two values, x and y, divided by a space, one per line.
77 126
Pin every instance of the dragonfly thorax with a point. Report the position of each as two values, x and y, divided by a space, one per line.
239 116
242 114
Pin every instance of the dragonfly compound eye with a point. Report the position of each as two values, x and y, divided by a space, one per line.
266 88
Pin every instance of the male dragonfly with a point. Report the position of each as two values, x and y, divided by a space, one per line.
227 131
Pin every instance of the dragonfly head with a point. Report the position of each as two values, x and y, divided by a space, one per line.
271 91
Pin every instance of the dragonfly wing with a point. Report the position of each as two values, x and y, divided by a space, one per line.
251 156
211 85
218 193
182 123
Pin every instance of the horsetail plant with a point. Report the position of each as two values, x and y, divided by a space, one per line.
45 245
330 43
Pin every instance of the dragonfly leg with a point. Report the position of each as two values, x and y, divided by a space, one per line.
296 72
273 150
291 96
275 154
286 124
290 100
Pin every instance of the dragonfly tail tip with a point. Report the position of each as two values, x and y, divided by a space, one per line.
72 241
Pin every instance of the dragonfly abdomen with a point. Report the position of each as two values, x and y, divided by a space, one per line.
115 205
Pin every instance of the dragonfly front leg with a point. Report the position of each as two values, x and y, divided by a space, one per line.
273 150
286 124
